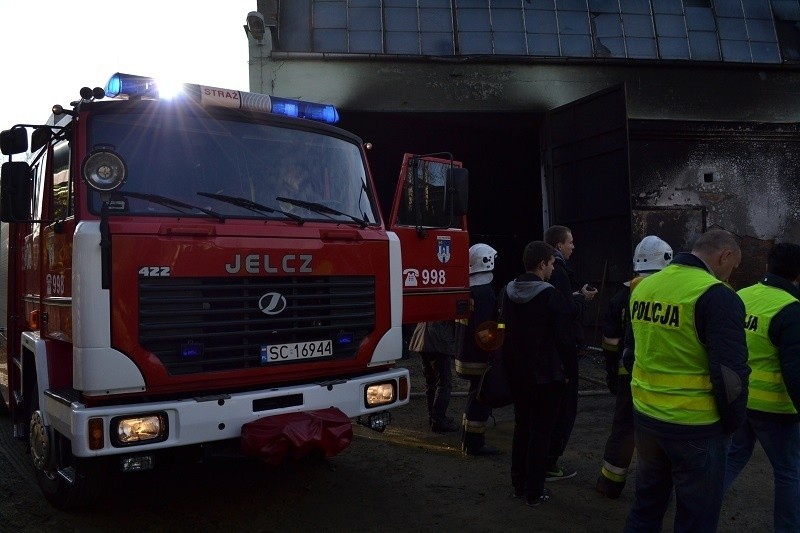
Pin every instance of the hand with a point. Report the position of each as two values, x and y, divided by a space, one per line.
588 292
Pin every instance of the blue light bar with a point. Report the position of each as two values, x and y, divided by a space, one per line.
298 108
130 86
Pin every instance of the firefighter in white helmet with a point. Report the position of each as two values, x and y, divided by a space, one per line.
472 360
651 255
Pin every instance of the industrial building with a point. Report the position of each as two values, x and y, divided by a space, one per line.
617 118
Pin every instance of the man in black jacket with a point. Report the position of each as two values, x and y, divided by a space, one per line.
689 381
772 328
536 349
560 238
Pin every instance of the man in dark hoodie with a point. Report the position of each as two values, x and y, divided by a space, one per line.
536 349
560 238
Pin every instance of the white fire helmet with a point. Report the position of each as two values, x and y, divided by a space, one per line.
651 255
481 258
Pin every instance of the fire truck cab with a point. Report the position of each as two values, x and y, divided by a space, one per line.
185 271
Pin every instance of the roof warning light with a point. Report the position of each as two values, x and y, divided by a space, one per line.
129 86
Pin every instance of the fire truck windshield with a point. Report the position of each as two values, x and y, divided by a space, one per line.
229 167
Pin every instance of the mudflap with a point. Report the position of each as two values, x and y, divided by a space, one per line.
294 435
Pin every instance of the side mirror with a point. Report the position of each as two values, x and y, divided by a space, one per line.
40 137
458 190
14 141
15 191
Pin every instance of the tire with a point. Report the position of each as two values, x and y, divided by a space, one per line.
53 464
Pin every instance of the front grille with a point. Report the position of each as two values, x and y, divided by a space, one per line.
196 325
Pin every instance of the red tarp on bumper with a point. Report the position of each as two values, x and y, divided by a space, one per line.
274 438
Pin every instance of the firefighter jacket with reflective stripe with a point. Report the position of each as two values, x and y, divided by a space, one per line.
671 380
471 360
767 389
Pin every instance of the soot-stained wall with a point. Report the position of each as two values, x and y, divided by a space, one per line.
743 177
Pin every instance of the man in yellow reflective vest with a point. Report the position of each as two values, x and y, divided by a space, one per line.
772 327
689 376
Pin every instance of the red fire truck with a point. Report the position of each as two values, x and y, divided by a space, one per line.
189 271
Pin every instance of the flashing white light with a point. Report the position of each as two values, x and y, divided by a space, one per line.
129 86
168 89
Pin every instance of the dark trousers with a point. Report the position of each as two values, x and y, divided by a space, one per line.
695 468
619 446
781 442
536 407
565 420
475 416
438 384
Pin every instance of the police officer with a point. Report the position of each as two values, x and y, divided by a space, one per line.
651 255
471 360
689 383
772 328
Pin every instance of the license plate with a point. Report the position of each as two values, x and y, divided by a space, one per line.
295 351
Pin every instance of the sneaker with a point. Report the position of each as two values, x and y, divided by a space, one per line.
536 502
559 474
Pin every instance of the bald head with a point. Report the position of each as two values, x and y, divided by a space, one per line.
720 250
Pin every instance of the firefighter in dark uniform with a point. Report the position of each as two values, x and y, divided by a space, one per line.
689 383
472 360
651 255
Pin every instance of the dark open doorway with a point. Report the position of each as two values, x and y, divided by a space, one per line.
501 152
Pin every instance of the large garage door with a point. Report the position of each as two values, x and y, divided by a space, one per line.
586 183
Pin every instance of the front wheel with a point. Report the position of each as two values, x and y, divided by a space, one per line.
65 480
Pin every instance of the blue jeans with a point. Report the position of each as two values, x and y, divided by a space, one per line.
781 443
695 468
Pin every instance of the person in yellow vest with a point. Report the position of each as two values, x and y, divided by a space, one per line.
772 328
687 354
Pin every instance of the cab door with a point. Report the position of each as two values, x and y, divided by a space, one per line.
429 218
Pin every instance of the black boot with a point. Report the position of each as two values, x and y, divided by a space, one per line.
608 488
475 444
446 425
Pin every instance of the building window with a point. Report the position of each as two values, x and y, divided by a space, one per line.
751 31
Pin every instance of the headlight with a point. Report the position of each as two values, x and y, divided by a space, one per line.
378 394
104 170
140 429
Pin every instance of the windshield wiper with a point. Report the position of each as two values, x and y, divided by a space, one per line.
175 205
250 205
322 209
